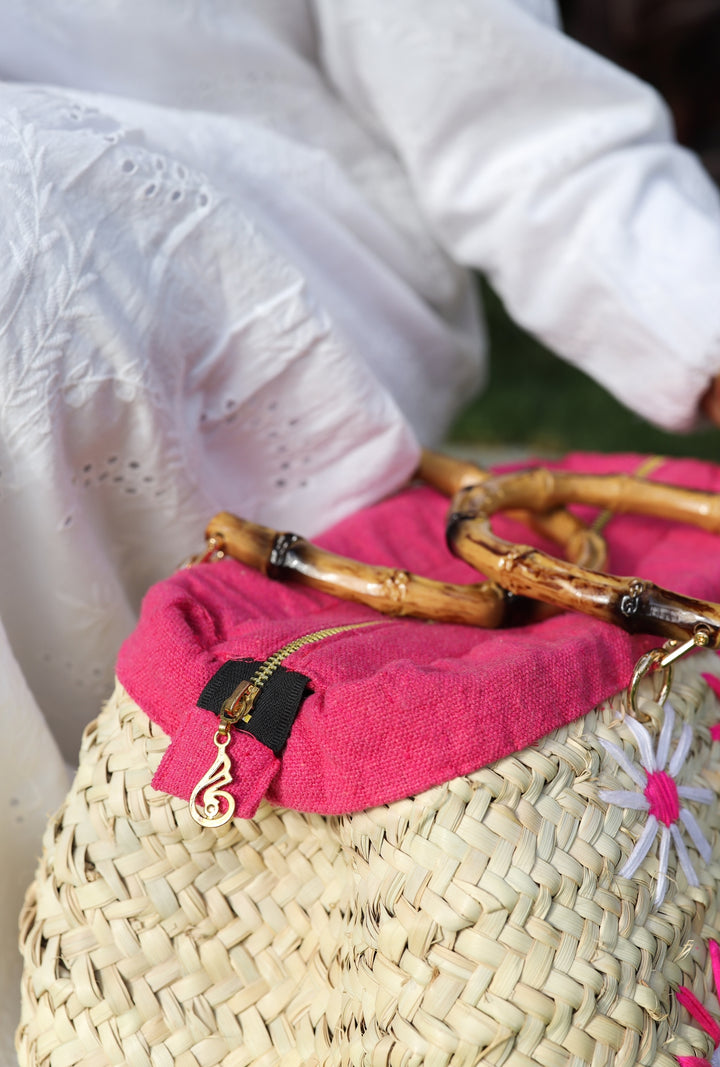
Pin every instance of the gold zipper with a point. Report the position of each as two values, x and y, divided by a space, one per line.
210 804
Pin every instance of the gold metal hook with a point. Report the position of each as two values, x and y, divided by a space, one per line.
662 659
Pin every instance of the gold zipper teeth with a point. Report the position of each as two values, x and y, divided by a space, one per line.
273 662
241 710
211 805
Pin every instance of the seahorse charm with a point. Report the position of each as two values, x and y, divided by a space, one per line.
210 810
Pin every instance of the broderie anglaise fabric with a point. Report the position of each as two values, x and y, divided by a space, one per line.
186 190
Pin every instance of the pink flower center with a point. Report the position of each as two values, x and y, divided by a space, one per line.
662 796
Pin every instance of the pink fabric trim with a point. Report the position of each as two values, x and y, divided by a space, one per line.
404 705
693 1061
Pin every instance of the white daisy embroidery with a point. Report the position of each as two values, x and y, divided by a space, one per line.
660 796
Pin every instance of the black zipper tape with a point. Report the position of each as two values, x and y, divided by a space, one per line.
275 708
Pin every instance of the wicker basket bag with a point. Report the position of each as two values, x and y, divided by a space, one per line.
481 922
554 905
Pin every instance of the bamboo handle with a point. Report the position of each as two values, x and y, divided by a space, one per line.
637 606
584 546
388 590
286 556
398 592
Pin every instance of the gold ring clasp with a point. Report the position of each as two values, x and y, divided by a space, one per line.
662 659
651 661
214 550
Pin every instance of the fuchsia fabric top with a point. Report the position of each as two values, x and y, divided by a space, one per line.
395 708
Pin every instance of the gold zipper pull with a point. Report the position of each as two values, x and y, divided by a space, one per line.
238 706
209 804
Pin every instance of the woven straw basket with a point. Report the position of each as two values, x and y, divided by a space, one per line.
482 922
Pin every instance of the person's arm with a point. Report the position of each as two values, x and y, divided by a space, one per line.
555 173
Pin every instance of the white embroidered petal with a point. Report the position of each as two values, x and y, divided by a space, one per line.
644 741
684 856
663 748
654 761
696 793
696 835
642 847
636 773
663 855
625 798
681 752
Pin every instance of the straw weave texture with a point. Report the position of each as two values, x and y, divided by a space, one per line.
482 922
